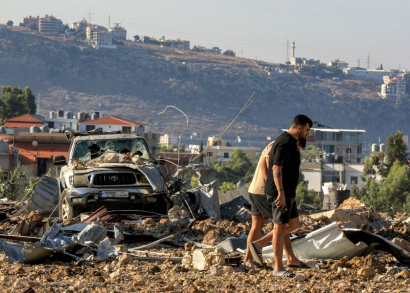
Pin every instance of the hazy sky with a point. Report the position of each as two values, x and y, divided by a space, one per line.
322 29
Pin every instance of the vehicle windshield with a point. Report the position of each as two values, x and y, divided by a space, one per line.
86 150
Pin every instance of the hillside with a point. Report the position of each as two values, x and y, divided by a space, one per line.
137 81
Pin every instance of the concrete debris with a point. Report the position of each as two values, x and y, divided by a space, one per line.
211 238
402 243
176 213
203 259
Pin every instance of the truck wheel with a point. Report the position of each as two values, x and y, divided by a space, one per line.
65 211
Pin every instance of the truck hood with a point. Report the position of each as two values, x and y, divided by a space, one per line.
149 170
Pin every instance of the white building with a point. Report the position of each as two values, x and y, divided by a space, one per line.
103 39
112 123
394 86
362 73
340 145
118 33
316 174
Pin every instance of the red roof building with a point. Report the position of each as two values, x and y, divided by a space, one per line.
112 123
24 121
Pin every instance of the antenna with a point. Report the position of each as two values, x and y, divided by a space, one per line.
117 23
89 16
358 62
109 21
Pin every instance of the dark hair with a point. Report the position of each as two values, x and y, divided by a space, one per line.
301 120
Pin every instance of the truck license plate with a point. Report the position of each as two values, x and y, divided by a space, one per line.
113 194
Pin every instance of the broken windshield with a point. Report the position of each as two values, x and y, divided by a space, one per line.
86 150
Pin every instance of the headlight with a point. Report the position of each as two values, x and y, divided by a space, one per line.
80 181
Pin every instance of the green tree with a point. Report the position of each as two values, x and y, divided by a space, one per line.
238 167
383 162
226 186
396 149
354 190
10 23
16 101
395 190
370 193
81 35
229 53
305 196
9 187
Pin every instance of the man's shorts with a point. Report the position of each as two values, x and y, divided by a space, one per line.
260 206
283 216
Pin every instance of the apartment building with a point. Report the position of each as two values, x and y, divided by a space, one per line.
118 33
31 22
339 145
49 24
394 86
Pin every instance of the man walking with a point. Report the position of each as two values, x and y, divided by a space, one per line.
280 188
262 209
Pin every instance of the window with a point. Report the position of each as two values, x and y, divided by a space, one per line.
89 127
359 149
353 178
126 129
209 154
329 148
330 176
329 136
226 155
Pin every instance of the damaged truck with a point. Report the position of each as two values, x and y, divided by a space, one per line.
114 170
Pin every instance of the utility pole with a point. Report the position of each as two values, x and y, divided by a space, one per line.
358 62
89 16
109 21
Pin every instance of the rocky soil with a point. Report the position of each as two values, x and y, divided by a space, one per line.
377 272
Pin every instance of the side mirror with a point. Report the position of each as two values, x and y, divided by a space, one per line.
59 160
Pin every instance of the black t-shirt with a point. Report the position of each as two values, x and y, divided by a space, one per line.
284 153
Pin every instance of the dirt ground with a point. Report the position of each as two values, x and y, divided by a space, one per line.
377 272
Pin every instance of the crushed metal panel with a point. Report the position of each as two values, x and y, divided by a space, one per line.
208 191
379 242
231 208
232 194
328 242
45 196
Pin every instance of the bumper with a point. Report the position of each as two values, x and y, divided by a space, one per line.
137 198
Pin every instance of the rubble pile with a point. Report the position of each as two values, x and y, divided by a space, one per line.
177 253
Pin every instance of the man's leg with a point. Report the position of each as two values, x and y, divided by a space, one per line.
257 223
290 255
277 244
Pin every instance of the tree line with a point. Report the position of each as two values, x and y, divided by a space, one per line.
15 101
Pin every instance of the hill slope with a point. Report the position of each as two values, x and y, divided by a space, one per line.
137 82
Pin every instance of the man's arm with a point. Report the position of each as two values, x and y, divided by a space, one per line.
264 167
277 177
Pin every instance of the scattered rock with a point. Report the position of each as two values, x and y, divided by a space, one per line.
404 274
366 272
402 243
211 238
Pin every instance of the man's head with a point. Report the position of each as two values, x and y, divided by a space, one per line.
300 126
301 143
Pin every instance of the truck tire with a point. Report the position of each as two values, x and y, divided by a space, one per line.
65 211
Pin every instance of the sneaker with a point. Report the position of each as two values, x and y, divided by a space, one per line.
283 273
256 253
